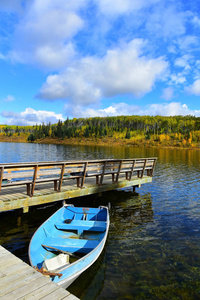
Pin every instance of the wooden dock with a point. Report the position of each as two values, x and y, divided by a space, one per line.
29 184
20 281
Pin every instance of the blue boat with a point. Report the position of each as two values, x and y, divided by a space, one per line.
69 242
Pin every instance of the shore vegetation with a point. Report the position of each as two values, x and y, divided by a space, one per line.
157 131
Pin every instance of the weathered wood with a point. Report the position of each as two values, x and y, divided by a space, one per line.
32 172
12 195
119 170
34 180
12 269
55 295
84 174
6 280
1 176
28 189
41 292
132 168
20 281
55 185
103 172
61 177
46 194
142 172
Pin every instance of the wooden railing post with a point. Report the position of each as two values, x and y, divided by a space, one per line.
34 180
84 174
119 169
55 185
142 174
132 169
1 175
61 178
153 167
112 169
30 174
28 189
102 176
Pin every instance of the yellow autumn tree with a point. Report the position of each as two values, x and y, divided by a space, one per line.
184 142
161 137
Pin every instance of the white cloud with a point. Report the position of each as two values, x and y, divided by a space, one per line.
178 78
188 42
31 117
196 21
167 21
44 35
9 98
194 89
169 109
91 51
70 84
172 49
118 7
3 57
113 110
168 93
197 63
182 62
121 71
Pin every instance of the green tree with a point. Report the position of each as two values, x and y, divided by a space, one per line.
128 134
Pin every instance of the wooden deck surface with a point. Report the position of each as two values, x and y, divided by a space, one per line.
16 197
20 281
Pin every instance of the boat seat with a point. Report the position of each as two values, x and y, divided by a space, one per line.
70 245
81 225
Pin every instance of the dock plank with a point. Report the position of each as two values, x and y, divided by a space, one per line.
24 270
5 263
45 193
41 292
20 281
21 291
99 176
70 297
19 275
12 269
59 294
15 285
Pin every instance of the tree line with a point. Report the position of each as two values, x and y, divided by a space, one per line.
182 129
158 127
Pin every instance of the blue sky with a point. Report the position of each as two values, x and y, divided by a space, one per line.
89 58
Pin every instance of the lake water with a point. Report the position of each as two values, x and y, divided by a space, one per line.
153 247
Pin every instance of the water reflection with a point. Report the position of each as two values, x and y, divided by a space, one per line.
153 247
128 213
20 152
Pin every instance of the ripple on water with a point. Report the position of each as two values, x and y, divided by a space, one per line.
153 247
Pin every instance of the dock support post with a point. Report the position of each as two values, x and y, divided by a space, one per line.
25 209
28 189
55 185
1 176
138 186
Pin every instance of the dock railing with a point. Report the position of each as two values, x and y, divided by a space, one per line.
30 174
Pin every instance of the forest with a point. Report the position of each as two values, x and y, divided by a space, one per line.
178 131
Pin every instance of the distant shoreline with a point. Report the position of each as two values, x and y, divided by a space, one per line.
181 132
97 142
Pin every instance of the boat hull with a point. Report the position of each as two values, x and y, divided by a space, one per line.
89 240
92 257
